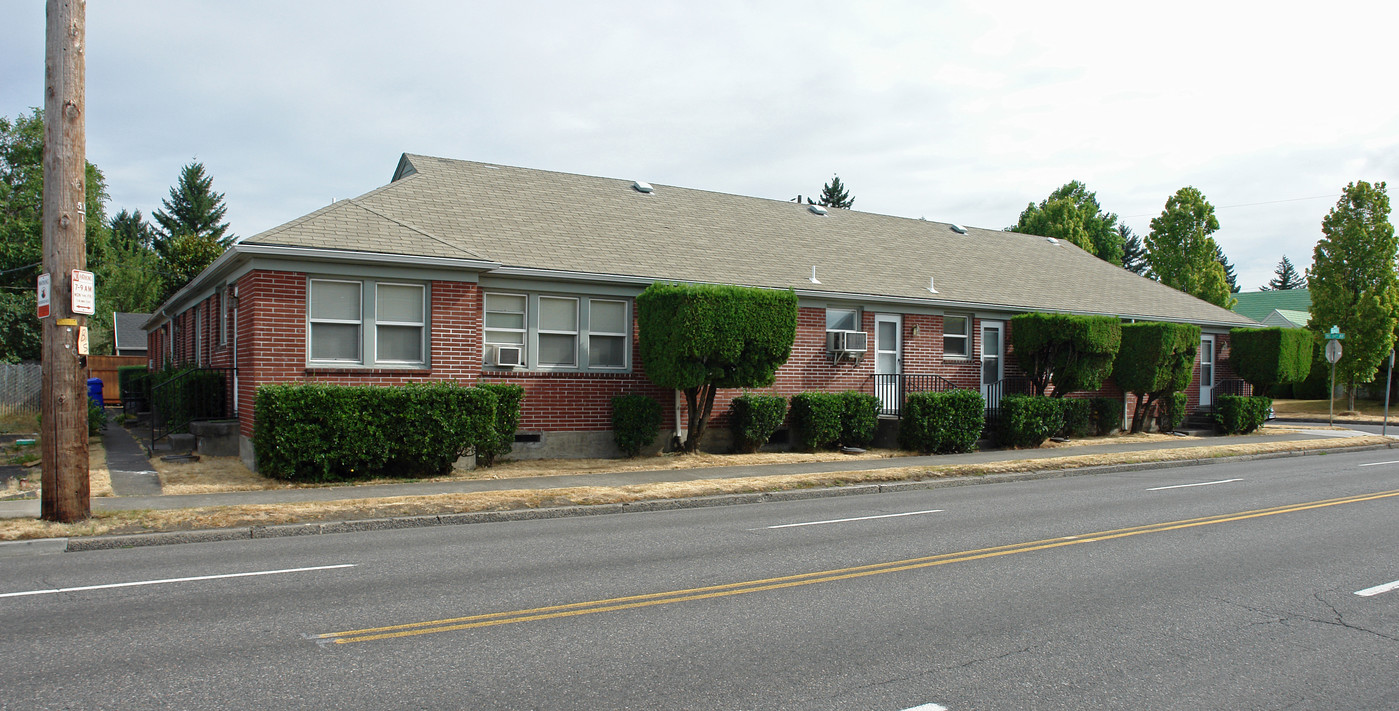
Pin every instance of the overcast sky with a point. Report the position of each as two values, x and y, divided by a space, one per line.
958 112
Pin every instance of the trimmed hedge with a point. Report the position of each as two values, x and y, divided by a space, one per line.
1070 352
1078 417
636 421
1156 360
1172 412
195 394
944 423
859 418
1026 421
1266 357
500 438
1107 414
133 381
754 418
817 419
320 432
1240 415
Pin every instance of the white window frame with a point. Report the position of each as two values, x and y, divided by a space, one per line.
310 321
368 325
859 319
487 343
625 335
966 337
420 324
575 333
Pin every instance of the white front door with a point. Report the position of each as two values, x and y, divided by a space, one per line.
888 361
992 359
1206 371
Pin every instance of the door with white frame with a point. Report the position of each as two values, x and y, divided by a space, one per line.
888 362
992 360
1206 371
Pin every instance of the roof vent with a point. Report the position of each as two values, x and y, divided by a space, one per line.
643 187
813 275
1052 241
959 229
816 209
930 286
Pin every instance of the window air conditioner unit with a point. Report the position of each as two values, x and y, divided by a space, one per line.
509 356
847 343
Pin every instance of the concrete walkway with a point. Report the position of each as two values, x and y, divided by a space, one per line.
134 472
127 463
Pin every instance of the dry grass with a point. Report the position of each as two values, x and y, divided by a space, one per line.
99 479
19 423
1365 410
260 515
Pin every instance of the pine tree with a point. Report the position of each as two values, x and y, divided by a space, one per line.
193 208
1133 253
834 194
1287 278
1229 276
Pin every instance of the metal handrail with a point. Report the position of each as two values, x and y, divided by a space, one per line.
892 389
189 395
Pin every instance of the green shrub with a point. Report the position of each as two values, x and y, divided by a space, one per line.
96 418
1028 420
320 432
181 394
1172 412
859 418
1078 417
636 421
1156 360
1070 352
754 418
817 419
1268 357
1240 415
945 422
500 438
1107 414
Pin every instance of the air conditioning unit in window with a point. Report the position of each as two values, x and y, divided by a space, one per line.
509 356
846 344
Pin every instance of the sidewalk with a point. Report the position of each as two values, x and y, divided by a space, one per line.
133 471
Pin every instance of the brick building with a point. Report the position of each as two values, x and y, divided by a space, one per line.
473 273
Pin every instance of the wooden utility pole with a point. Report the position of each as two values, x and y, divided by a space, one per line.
64 411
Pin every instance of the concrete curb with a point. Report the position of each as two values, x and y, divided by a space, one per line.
54 545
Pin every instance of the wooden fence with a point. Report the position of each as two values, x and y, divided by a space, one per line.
104 367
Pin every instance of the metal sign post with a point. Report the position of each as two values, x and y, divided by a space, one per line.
1333 354
1388 380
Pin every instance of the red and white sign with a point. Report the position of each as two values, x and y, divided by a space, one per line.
44 295
84 293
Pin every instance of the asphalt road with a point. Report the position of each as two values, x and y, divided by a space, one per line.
1234 590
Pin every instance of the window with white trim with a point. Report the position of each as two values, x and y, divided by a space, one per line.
366 322
558 332
842 320
607 333
399 325
956 336
505 323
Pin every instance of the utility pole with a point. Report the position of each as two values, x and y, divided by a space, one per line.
64 410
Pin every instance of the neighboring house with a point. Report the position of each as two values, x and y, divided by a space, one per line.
128 337
1286 308
471 272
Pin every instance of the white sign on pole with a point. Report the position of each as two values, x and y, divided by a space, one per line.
84 293
43 295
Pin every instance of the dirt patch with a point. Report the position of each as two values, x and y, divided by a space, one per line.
238 516
99 479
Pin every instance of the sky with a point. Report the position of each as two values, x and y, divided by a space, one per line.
952 111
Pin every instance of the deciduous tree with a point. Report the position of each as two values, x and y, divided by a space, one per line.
1072 213
1181 252
1353 283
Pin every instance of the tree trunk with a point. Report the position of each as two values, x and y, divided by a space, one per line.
700 403
1143 407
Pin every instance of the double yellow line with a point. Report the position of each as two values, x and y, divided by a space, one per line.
789 581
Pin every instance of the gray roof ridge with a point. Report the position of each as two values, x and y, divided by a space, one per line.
409 226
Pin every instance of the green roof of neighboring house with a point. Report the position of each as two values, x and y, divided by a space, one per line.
1287 318
1258 304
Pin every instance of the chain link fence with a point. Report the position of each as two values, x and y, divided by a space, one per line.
21 388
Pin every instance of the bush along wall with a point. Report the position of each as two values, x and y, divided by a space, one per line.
943 423
816 420
320 432
1107 414
499 439
1172 412
1028 420
636 421
1078 417
1268 357
755 418
859 418
1241 415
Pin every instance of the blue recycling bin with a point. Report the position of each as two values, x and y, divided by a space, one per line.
94 390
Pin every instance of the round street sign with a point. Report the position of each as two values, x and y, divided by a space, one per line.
1333 351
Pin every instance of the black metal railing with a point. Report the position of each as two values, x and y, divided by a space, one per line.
893 388
189 395
1234 386
1014 385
